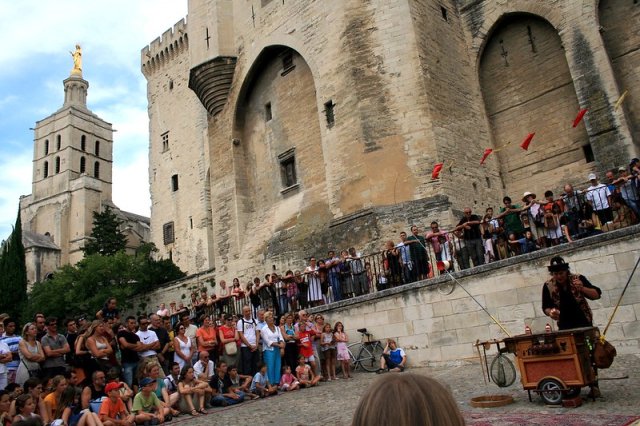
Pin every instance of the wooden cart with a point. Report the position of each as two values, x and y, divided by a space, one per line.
556 364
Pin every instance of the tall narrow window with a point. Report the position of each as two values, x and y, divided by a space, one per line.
287 62
328 112
443 10
96 170
97 148
288 168
168 235
83 142
165 141
588 153
58 142
268 114
83 165
57 165
46 146
45 170
174 183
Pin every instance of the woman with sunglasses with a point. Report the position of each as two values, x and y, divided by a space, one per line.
183 346
228 334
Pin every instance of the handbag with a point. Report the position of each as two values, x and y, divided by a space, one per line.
32 373
231 348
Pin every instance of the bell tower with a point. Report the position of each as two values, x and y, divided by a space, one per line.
72 165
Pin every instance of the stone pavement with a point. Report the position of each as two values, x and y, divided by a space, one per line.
334 402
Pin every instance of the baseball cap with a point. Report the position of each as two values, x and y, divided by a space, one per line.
592 176
146 381
113 386
622 169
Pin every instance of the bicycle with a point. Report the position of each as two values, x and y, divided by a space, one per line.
368 352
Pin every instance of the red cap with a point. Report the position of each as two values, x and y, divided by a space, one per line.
112 386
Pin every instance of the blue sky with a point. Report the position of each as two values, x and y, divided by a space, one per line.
38 36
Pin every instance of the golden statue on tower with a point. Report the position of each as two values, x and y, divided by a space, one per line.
77 61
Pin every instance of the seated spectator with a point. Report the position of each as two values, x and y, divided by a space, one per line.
24 406
71 412
192 392
147 408
224 393
590 222
288 382
260 384
5 403
407 399
204 369
172 379
393 358
240 382
113 411
93 394
306 374
168 401
34 387
59 384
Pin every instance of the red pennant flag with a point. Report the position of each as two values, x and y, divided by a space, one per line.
525 143
487 151
579 117
436 170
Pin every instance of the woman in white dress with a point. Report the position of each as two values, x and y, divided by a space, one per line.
183 347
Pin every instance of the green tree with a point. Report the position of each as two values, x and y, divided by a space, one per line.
106 237
83 288
13 273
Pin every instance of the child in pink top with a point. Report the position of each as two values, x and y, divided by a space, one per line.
305 374
341 339
288 381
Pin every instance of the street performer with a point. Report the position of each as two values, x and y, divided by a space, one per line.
564 299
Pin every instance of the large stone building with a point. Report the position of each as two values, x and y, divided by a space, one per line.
279 129
72 176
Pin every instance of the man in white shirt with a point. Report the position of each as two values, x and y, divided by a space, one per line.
149 342
249 336
599 195
204 369
5 358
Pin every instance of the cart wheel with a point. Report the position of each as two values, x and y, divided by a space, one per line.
573 392
550 391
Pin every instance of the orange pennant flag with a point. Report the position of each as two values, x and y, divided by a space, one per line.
487 151
525 143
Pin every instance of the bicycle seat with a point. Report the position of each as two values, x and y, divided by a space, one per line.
362 330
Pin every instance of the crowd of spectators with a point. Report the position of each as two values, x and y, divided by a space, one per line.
125 371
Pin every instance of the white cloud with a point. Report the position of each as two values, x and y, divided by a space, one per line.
111 33
13 184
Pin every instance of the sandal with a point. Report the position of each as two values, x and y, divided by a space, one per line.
194 412
202 411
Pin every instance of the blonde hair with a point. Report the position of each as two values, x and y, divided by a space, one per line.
407 400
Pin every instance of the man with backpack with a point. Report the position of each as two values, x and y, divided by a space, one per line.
249 336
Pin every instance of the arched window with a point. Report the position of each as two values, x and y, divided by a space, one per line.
57 164
83 142
46 169
58 142
98 148
46 146
96 170
83 165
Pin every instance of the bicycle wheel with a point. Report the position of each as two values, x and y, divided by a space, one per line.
377 353
367 360
354 350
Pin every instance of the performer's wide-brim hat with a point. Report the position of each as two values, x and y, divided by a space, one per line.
558 264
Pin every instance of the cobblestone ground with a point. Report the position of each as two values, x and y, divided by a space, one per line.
334 402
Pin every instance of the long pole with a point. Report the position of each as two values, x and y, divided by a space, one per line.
479 304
